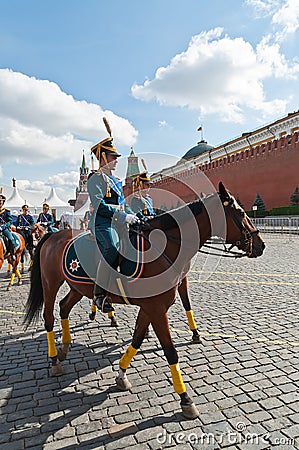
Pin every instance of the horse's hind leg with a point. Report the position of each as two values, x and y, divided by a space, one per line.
66 304
15 271
183 293
50 292
141 326
111 315
113 321
161 328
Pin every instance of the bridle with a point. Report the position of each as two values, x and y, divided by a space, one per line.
225 250
246 240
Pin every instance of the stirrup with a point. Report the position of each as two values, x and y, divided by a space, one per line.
102 304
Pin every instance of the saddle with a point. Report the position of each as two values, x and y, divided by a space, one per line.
6 243
81 257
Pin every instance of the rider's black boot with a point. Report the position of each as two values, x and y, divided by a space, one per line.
11 250
100 300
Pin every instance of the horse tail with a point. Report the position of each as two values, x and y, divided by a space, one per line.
35 299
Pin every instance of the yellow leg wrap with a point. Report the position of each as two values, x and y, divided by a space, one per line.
12 278
66 335
93 308
191 321
127 357
110 314
52 350
177 379
18 273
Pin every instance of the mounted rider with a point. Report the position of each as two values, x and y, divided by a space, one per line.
6 221
141 202
46 219
110 212
24 223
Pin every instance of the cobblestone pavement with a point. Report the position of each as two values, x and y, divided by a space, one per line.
243 375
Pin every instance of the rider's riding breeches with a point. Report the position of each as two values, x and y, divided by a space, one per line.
106 240
9 235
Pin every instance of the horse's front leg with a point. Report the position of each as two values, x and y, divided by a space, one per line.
141 327
22 262
161 328
183 293
15 271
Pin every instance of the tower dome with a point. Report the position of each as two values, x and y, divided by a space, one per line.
200 148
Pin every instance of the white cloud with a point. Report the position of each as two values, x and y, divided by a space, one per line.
39 122
264 7
65 184
287 18
284 14
275 63
218 74
162 123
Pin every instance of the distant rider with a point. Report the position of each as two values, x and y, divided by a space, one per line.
24 223
6 221
46 219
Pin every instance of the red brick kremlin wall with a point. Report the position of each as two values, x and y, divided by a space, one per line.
270 169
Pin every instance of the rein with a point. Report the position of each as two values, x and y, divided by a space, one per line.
227 252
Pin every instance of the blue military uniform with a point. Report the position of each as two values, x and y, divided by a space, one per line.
110 212
6 221
110 209
141 202
24 223
46 219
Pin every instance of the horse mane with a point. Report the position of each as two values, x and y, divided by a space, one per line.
170 219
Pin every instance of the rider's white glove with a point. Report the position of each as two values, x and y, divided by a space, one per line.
131 218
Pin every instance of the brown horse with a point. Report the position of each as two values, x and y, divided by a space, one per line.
181 233
184 297
37 232
13 263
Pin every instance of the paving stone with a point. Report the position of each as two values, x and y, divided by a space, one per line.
232 380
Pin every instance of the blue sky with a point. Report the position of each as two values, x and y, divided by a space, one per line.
158 70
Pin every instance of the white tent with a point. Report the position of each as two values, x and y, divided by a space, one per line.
60 207
15 201
54 200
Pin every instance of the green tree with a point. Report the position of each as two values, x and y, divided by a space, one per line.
295 197
259 202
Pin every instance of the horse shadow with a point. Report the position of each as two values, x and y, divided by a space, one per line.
37 407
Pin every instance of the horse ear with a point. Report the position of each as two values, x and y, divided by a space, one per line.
224 196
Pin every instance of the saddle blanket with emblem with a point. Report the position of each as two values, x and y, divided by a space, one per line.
81 257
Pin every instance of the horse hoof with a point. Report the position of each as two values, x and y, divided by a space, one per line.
123 383
113 322
8 288
196 338
92 315
56 370
20 282
190 411
62 352
22 271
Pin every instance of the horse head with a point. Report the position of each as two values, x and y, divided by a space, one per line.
241 232
37 231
